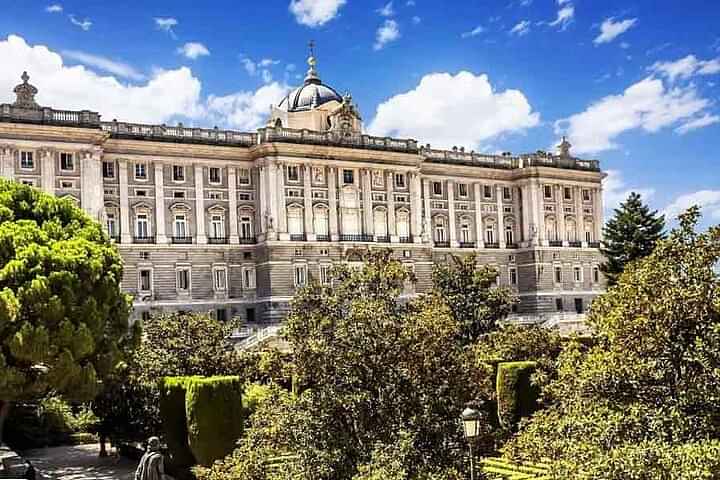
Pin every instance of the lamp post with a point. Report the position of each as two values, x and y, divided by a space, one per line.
471 427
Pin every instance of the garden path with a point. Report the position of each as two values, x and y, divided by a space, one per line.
79 462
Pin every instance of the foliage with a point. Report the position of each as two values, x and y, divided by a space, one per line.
630 234
63 318
174 421
215 416
372 367
516 395
467 289
253 395
653 374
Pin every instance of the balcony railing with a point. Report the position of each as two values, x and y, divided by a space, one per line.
467 244
382 239
407 239
181 240
492 245
594 244
511 245
556 243
150 239
217 240
298 237
575 243
248 240
322 238
442 244
356 238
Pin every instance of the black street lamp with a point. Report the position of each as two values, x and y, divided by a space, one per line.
471 419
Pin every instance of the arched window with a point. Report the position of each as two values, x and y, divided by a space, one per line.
490 236
380 222
550 229
589 231
111 220
466 230
295 220
510 233
439 229
143 228
402 219
571 230
320 220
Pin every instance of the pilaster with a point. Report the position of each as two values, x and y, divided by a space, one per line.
233 205
560 207
92 194
282 229
478 216
332 203
7 162
367 203
598 214
500 216
392 226
452 222
426 233
579 218
47 171
526 217
307 202
540 212
160 235
125 232
200 206
415 205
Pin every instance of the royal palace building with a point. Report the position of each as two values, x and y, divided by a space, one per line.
234 222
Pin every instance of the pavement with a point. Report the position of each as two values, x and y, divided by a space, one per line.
79 462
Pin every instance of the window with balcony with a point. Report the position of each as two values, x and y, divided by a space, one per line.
214 175
439 230
295 220
140 171
67 162
178 173
293 173
348 177
111 224
108 170
246 227
402 219
509 234
380 222
465 231
142 225
321 222
490 236
217 226
27 160
180 229
399 180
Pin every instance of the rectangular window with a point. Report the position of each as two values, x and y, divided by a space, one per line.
66 184
178 173
559 304
141 193
246 227
596 275
348 177
108 170
437 188
245 196
300 275
400 180
325 274
182 279
28 182
140 171
567 193
293 173
221 315
220 279
586 195
558 274
507 193
67 161
145 280
248 277
577 274
178 194
214 175
215 195
579 305
513 275
217 226
27 160
547 189
111 223
142 226
487 191
462 190
244 176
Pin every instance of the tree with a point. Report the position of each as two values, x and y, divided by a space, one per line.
374 371
467 289
63 318
653 376
631 234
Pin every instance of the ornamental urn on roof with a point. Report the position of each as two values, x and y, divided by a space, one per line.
25 93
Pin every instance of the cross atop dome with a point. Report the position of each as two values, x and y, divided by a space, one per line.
312 75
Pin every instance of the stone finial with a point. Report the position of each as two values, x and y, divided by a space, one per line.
25 93
564 147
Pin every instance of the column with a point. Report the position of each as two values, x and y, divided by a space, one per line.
273 172
579 218
232 205
392 226
47 171
341 201
307 203
427 225
367 202
262 199
332 203
525 191
560 217
478 216
92 193
200 205
598 213
282 229
415 206
160 236
452 222
500 216
516 213
534 213
125 232
7 164
540 211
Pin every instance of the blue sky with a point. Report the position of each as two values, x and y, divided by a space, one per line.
634 84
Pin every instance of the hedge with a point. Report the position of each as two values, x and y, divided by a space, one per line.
516 395
215 419
174 421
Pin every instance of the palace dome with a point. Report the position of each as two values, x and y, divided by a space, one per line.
311 94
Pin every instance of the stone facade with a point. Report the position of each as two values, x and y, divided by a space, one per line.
233 222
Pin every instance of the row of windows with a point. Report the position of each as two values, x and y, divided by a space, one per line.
578 276
463 189
348 176
215 174
567 193
66 161
181 225
183 279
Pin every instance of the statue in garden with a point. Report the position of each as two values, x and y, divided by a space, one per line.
152 464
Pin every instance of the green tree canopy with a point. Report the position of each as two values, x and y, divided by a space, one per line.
63 318
630 234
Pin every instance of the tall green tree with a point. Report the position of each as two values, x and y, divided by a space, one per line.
470 291
630 234
63 318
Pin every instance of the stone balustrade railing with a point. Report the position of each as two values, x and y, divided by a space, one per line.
469 158
179 133
335 138
49 116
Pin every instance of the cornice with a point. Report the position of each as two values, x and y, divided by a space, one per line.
51 133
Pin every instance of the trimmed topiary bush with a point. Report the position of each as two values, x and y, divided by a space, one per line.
516 395
174 421
215 417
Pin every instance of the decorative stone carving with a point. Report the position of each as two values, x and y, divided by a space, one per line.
377 178
25 94
564 148
318 175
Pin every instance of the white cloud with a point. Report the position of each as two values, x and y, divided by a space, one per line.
447 110
268 62
416 20
707 200
250 66
647 105
166 24
521 28
54 8
474 32
699 122
615 190
410 3
386 33
610 29
564 17
262 66
165 96
686 67
193 50
105 64
315 13
624 45
84 24
563 2
387 10
266 76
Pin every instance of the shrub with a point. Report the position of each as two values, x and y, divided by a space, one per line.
254 394
516 395
214 411
174 421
